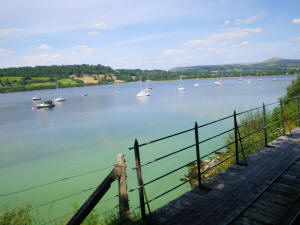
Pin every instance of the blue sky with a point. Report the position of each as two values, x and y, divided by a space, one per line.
147 34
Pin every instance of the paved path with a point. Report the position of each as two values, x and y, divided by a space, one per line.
245 195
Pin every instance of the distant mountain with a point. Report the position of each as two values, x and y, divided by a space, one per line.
272 66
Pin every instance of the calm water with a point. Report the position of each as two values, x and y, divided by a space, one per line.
87 133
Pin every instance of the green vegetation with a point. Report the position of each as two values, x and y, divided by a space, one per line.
24 216
251 126
22 78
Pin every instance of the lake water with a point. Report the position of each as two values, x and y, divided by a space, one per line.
86 133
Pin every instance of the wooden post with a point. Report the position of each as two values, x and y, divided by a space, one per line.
298 106
198 154
236 138
282 116
265 125
123 191
94 198
139 178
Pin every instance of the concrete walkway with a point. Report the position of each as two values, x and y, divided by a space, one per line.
234 192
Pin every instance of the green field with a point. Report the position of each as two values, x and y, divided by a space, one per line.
11 79
42 79
41 84
67 82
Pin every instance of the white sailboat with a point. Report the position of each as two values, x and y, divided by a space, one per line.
142 93
58 99
148 85
196 84
218 82
180 86
117 86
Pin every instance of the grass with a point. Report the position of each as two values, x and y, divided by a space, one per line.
67 82
43 79
41 84
23 216
11 79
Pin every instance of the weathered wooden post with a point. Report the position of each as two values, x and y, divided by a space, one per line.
298 106
198 154
123 191
282 116
236 138
265 124
139 178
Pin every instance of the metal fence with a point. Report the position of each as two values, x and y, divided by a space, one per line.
267 122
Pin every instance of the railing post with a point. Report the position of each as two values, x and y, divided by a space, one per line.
236 138
282 116
198 154
123 191
298 106
265 124
139 178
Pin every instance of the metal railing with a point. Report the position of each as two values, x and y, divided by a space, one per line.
267 127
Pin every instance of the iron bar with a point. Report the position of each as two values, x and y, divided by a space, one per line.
217 150
282 116
248 111
265 124
252 121
139 178
271 103
235 138
217 164
298 106
198 154
166 174
167 155
163 138
220 134
166 192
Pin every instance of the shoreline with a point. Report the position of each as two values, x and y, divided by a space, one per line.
206 78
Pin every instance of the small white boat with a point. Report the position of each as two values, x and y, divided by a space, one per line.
218 83
196 85
45 104
180 86
58 99
142 93
36 98
260 79
181 89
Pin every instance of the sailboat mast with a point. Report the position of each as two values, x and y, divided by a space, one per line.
57 88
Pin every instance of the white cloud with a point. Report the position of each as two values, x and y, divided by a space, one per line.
5 52
197 43
175 51
7 31
226 22
43 59
244 43
92 32
101 26
233 33
43 47
250 19
297 39
296 20
82 50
